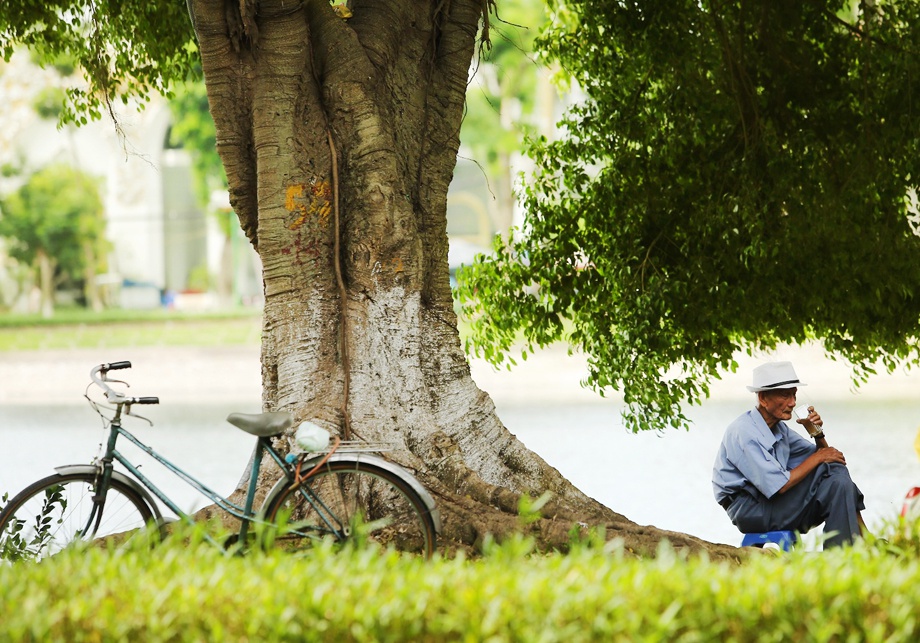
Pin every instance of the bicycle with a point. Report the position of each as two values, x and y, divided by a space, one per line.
341 492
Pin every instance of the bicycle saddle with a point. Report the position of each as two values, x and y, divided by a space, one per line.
263 425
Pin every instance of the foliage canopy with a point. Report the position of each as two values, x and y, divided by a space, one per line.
739 175
101 36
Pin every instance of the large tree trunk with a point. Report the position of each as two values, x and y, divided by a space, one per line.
339 138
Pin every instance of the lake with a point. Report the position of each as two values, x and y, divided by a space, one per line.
661 480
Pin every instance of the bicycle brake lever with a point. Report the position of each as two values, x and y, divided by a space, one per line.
139 417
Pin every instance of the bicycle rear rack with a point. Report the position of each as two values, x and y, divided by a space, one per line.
359 446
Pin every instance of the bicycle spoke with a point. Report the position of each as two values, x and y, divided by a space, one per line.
352 501
59 511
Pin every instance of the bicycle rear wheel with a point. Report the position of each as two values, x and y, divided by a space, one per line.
61 509
345 500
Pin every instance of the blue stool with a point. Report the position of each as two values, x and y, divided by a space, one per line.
785 539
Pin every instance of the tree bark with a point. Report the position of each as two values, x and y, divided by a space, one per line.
46 267
340 138
90 287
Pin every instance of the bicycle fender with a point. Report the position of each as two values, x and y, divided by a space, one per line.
407 477
377 461
116 475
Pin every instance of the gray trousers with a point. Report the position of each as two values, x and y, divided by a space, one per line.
826 495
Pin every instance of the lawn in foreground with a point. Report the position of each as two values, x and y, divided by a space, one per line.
188 590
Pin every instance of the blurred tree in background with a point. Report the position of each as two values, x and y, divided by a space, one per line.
502 104
193 130
54 225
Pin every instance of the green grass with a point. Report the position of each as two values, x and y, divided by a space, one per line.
184 590
79 328
116 328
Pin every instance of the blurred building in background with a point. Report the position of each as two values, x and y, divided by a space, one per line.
165 250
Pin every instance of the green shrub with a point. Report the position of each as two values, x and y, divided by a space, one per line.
187 590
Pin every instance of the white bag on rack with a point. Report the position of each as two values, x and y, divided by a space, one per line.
311 438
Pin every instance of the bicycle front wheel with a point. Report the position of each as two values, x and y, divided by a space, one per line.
62 509
348 500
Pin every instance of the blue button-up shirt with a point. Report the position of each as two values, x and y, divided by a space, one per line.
755 459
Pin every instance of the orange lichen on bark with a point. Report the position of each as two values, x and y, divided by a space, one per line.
319 203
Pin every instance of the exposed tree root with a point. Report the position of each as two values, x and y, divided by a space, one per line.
472 508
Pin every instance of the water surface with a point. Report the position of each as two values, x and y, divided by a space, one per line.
661 480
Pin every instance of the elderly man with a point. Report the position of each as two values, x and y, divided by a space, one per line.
767 477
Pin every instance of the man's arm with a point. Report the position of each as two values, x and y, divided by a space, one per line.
824 453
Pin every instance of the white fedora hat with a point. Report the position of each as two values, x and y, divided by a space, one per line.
774 376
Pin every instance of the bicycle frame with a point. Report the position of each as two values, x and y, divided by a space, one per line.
244 513
333 491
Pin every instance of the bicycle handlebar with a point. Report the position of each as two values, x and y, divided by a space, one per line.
146 400
98 375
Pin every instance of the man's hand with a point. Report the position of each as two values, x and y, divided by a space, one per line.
828 454
822 455
812 419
